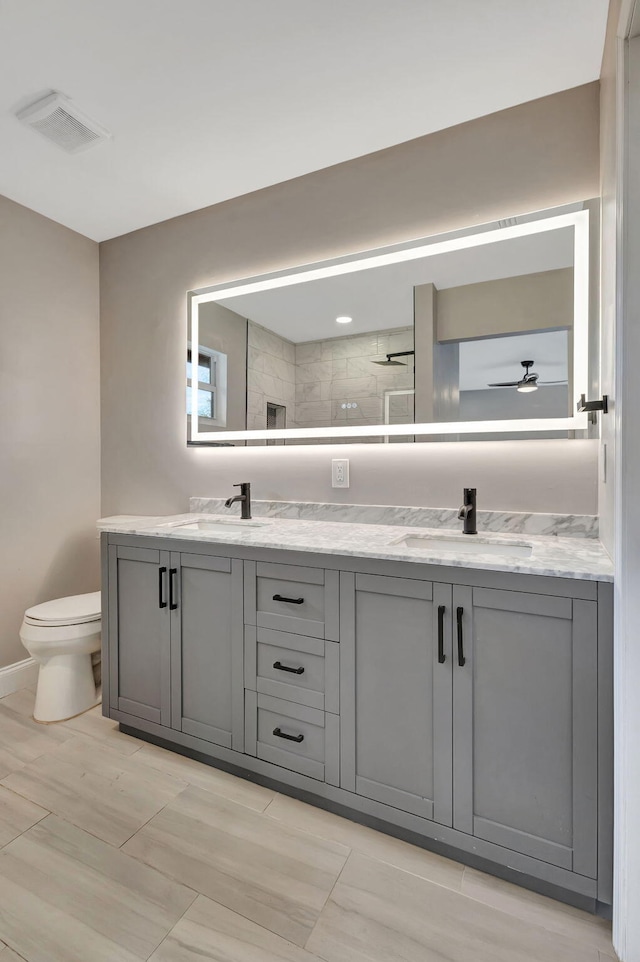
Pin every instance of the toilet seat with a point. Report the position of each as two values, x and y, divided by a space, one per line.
42 639
74 610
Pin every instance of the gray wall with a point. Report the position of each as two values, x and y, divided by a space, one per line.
533 156
49 416
549 401
530 302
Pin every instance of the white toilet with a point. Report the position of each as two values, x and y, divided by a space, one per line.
63 636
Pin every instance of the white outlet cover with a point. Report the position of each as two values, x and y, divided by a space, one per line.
340 473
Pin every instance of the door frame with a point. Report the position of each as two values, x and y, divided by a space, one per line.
626 873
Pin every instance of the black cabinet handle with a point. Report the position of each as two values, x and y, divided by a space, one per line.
294 671
172 603
290 601
461 658
290 738
161 602
441 611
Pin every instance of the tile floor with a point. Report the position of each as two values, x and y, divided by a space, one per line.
113 850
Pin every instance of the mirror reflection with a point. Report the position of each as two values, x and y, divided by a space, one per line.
482 333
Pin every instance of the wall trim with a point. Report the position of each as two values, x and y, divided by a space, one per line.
21 674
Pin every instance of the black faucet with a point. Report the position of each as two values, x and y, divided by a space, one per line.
244 498
467 512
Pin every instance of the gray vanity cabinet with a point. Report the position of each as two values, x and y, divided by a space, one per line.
477 708
176 641
139 633
525 724
477 715
207 686
395 692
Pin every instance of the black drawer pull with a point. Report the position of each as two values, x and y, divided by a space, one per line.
290 738
461 658
290 601
173 604
441 611
294 671
161 602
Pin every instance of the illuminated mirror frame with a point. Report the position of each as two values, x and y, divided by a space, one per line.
579 220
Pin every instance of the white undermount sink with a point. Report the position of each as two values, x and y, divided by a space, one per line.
218 526
470 544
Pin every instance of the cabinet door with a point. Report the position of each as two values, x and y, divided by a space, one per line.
139 642
525 724
207 649
395 693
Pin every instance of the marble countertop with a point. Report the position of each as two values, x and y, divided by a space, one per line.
581 558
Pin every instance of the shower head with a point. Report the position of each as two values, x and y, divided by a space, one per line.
390 363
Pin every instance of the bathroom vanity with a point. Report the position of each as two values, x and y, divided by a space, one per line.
459 698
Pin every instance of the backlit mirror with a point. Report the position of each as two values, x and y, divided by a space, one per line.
469 335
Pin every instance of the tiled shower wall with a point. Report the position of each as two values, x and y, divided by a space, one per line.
330 382
341 371
271 376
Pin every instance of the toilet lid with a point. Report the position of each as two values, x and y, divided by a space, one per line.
75 610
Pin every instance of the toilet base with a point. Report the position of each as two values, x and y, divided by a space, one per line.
58 721
66 688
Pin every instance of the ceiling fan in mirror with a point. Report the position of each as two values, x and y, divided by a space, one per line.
528 382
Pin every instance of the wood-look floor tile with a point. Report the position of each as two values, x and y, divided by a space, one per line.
96 788
378 913
209 931
8 955
21 702
17 814
270 873
65 896
410 858
531 907
206 777
95 725
270 858
22 740
90 723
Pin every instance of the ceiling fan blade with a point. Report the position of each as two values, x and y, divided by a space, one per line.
505 384
564 381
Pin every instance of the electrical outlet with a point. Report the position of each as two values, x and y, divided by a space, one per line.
340 473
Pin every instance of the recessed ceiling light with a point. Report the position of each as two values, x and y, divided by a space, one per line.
343 319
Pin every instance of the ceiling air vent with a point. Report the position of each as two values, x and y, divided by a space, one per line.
60 121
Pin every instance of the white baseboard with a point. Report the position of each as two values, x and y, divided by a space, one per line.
22 674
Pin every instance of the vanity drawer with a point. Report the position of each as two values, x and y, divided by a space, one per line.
298 600
302 739
294 667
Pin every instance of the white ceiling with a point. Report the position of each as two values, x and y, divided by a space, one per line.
382 297
210 99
